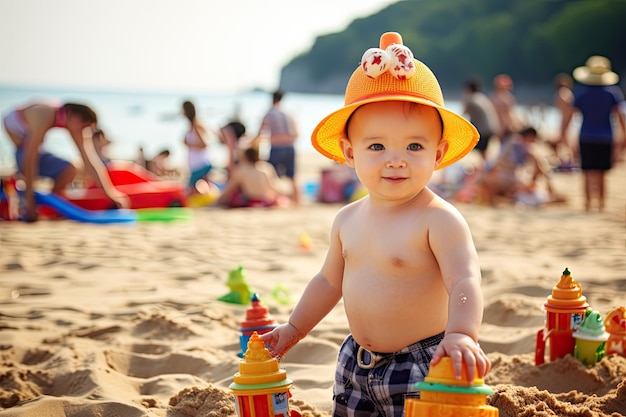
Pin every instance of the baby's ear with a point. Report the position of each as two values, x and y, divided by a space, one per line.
348 153
442 148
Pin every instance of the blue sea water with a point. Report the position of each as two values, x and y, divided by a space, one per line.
155 122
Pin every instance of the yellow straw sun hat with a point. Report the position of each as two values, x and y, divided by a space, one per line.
388 74
596 71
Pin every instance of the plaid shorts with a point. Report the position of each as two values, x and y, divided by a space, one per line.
376 384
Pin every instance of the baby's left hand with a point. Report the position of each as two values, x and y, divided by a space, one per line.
462 348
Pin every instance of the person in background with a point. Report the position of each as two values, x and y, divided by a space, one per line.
27 127
159 165
101 144
563 99
597 98
233 136
252 183
401 258
504 101
516 170
195 140
482 114
283 133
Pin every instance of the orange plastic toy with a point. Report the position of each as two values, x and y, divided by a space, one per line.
565 311
258 319
443 395
615 323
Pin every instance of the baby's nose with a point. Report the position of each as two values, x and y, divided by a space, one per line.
396 161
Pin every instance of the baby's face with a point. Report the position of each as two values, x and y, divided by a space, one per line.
394 147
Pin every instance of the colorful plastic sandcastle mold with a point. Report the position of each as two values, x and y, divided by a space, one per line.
258 320
591 339
565 311
441 394
615 323
261 388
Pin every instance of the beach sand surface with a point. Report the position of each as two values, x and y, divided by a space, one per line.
124 320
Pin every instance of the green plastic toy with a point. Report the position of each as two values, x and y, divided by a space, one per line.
239 290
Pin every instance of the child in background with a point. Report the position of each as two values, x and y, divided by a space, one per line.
252 184
516 170
402 258
159 165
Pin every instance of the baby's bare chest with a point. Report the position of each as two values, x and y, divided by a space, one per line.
389 247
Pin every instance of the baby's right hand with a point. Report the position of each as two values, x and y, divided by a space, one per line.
281 339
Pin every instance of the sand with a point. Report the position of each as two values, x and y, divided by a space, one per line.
124 320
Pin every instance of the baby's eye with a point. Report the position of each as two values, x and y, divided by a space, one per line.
376 147
414 147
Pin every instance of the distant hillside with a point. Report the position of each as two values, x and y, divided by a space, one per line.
532 40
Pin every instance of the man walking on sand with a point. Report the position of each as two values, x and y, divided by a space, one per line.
283 133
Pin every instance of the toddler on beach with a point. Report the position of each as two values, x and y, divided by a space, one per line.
252 183
402 258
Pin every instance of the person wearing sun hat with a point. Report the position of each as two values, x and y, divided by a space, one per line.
401 258
597 98
375 81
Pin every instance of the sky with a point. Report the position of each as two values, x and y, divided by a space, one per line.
163 45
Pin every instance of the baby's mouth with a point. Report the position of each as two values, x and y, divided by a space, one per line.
394 178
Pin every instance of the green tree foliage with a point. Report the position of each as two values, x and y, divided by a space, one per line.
532 40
